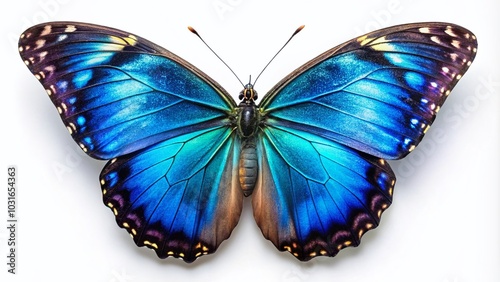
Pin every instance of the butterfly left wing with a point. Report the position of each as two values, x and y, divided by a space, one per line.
165 125
315 196
180 197
117 92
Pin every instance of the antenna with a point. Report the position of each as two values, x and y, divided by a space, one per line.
295 33
196 33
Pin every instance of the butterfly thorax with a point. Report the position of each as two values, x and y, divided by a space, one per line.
248 115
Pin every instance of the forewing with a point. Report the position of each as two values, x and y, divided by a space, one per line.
180 197
314 196
378 93
116 92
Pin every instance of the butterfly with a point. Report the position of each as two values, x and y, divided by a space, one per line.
183 154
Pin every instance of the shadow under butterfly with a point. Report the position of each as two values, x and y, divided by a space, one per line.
183 154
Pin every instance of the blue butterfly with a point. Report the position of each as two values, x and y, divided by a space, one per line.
183 154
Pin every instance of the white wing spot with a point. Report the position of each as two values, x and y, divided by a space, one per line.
363 40
85 150
450 32
42 55
62 37
445 69
455 43
53 89
39 43
459 76
50 69
46 30
424 30
380 40
70 28
436 39
360 233
64 107
153 245
131 40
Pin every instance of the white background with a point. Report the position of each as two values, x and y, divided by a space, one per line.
443 225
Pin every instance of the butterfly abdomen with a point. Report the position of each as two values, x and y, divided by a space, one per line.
248 167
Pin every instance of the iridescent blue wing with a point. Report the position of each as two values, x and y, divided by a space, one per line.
116 92
165 125
329 125
315 196
180 197
378 93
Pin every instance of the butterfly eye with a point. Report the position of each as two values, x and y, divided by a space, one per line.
248 93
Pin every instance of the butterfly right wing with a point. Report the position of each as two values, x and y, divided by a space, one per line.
180 197
118 93
329 125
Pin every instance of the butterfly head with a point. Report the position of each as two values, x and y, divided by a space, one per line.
248 93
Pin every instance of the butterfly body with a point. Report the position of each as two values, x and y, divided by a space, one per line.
183 154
